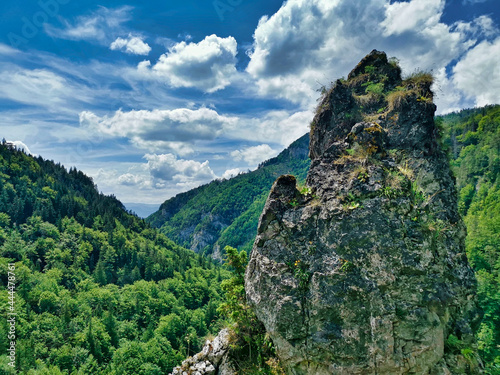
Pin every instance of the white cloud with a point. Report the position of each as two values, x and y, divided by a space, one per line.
409 16
230 173
478 73
7 50
166 168
282 127
129 179
21 146
100 26
306 44
486 26
309 43
174 130
132 45
446 96
208 65
254 155
35 87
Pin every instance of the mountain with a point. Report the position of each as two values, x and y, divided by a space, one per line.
364 270
96 290
143 210
226 212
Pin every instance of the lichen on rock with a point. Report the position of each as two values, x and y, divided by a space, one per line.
366 272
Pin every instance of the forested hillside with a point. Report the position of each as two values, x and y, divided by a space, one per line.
473 141
97 291
225 213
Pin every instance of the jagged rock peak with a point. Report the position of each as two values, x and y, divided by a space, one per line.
375 92
363 271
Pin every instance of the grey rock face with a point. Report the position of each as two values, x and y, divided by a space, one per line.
212 360
364 271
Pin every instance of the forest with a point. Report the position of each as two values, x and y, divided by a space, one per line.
97 290
472 140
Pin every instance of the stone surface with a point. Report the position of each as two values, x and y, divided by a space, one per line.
364 271
212 360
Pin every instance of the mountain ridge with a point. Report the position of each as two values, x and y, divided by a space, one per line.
225 212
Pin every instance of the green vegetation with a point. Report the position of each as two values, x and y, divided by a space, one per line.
97 290
227 212
416 84
251 348
472 138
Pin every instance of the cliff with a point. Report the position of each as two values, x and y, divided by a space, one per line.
363 271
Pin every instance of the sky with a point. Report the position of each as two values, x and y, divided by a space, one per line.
152 98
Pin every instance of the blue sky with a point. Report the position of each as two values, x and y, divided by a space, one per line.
154 98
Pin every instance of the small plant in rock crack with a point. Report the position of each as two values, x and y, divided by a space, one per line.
346 266
307 192
301 273
294 203
417 194
352 202
311 248
390 192
353 205
363 177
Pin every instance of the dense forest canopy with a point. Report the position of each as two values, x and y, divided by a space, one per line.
97 289
472 138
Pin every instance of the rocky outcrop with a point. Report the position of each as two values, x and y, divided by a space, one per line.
364 271
212 360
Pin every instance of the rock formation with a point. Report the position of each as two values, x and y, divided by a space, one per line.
212 360
363 271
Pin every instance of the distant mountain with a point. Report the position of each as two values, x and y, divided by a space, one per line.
142 210
226 212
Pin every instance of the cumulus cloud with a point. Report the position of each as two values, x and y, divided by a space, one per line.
281 127
306 44
98 26
166 168
230 173
133 45
129 179
173 130
478 73
254 155
414 15
446 95
208 65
